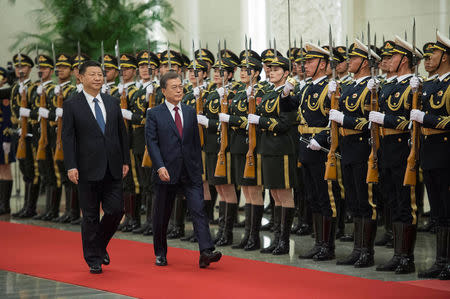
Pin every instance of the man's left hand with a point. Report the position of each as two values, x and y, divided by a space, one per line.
125 169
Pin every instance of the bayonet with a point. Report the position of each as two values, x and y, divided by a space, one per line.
117 50
220 67
270 44
406 36
346 48
289 35
369 52
38 63
103 65
302 61
148 60
19 57
225 45
250 44
275 48
246 59
168 56
332 64
415 60
79 54
194 63
54 59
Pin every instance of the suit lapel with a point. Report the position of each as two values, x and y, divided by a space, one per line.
170 120
86 110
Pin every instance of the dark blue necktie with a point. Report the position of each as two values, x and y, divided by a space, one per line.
99 116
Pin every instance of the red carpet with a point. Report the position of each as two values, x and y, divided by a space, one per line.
57 255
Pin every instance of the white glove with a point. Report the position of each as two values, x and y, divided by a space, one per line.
373 84
203 120
59 112
127 114
417 115
221 92
196 92
414 83
288 87
24 112
22 88
105 88
302 84
43 112
313 145
149 89
337 116
39 90
223 117
120 88
253 119
249 91
80 87
19 131
376 117
332 87
6 147
57 89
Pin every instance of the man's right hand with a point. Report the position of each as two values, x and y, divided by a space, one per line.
73 175
163 174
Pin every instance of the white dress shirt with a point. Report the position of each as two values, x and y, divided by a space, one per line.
172 112
90 100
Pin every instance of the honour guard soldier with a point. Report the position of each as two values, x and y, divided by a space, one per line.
434 158
20 104
78 60
63 90
132 189
42 100
208 57
6 155
393 118
112 71
355 149
277 150
387 85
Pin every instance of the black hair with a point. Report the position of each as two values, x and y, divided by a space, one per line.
168 76
85 65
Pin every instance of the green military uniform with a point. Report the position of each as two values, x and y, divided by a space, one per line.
27 165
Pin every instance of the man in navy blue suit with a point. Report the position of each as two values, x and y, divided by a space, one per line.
173 143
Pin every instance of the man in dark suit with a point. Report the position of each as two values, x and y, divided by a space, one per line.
173 142
97 158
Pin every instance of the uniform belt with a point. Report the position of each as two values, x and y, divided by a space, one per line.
431 131
347 132
137 126
388 131
304 129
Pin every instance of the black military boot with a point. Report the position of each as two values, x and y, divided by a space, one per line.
306 228
5 196
328 236
318 230
445 273
287 216
387 237
127 211
214 196
209 210
221 220
340 219
227 236
148 215
179 213
431 224
393 263
298 204
53 213
248 220
75 218
30 209
64 218
48 199
441 254
276 230
25 201
408 242
132 222
254 242
369 230
357 243
269 225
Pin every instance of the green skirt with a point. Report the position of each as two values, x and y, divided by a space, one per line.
211 161
238 166
279 172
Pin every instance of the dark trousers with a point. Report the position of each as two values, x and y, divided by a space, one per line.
359 194
162 209
437 182
96 233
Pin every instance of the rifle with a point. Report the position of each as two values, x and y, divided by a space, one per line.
372 163
221 165
250 170
123 96
331 164
199 102
21 147
59 154
43 139
105 81
412 161
146 160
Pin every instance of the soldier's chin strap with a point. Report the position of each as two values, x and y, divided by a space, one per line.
360 65
440 60
398 66
317 68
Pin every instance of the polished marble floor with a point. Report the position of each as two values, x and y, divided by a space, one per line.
14 285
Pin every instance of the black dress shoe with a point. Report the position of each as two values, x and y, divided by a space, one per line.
207 257
96 269
161 261
106 259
